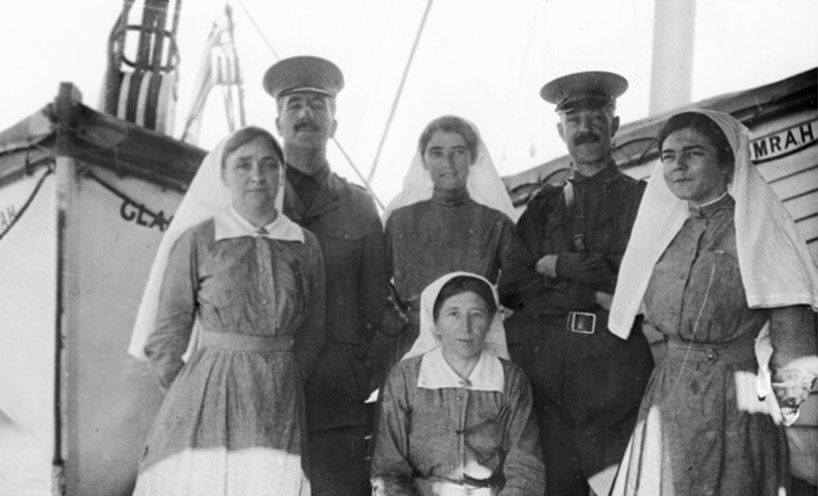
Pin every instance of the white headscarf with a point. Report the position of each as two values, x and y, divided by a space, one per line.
484 183
495 338
776 267
206 197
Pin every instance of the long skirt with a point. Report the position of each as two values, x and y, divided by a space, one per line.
232 423
703 430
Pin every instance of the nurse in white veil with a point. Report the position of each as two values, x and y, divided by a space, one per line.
453 214
718 264
233 267
456 415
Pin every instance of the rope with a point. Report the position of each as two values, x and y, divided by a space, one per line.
400 90
258 30
149 13
159 39
360 176
518 88
30 199
116 46
154 41
176 14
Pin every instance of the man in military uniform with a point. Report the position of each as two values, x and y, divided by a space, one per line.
587 382
344 219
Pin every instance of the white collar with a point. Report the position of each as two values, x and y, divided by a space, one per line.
711 202
436 373
230 224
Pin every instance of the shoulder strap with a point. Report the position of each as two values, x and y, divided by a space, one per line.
574 216
570 198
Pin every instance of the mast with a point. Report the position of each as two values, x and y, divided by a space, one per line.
219 68
672 64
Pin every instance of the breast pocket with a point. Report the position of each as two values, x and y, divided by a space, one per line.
485 438
343 250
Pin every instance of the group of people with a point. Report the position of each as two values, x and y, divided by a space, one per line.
509 357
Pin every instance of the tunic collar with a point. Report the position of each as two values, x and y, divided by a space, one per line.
436 373
299 179
450 198
325 191
229 224
708 209
607 175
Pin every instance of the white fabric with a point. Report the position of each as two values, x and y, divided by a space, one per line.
484 184
230 224
436 373
218 471
426 341
776 266
206 197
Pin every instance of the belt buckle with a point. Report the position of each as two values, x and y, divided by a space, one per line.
582 322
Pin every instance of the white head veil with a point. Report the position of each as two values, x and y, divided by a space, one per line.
484 183
776 267
426 341
206 197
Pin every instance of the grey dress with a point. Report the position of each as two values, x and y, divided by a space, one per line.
448 233
431 440
237 406
701 428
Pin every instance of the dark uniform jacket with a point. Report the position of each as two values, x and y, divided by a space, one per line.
608 202
587 387
344 219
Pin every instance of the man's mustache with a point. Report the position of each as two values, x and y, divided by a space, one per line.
586 138
306 125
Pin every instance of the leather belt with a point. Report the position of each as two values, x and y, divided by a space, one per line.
576 322
581 322
244 342
426 485
715 354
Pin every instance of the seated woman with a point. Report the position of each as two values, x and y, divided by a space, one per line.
717 261
452 214
455 418
248 284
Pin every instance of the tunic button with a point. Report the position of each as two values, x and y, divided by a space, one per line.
458 398
710 355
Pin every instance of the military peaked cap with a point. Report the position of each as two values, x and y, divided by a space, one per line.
303 73
594 86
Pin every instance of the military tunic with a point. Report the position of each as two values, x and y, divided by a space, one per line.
344 219
587 387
